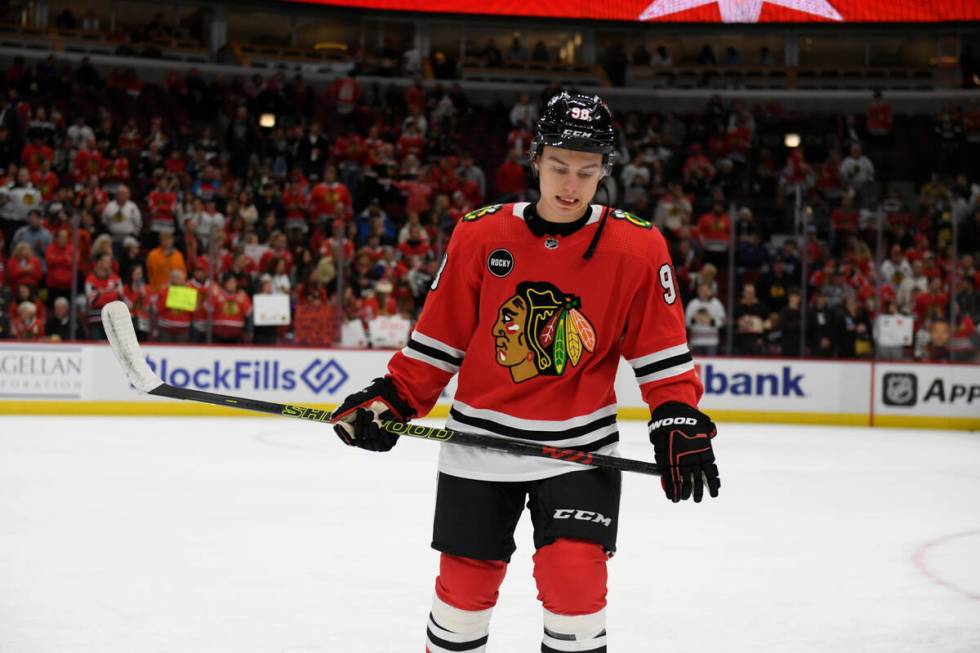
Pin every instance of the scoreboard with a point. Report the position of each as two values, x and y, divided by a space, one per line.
697 11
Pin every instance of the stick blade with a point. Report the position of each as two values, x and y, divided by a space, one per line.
118 325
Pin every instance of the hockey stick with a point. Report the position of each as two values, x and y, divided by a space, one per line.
118 324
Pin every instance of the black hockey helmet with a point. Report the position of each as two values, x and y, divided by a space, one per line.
575 121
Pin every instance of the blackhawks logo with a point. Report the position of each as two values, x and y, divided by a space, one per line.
540 330
633 219
473 216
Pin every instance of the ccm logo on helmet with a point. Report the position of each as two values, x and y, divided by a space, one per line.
673 421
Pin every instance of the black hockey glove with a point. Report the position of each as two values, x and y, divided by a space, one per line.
357 420
681 437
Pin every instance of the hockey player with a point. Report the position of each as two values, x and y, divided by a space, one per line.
533 306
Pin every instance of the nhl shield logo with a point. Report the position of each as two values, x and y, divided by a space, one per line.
899 389
551 243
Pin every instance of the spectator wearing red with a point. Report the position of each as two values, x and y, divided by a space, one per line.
329 246
117 169
26 325
411 141
349 148
326 194
519 139
879 121
961 345
828 182
175 163
296 205
931 267
697 166
277 249
415 95
130 140
844 220
345 93
373 145
416 243
102 286
444 176
932 303
92 196
715 229
88 162
511 182
58 257
23 267
173 324
162 204
377 301
35 152
796 174
230 307
458 207
417 186
201 282
139 297
45 180
738 140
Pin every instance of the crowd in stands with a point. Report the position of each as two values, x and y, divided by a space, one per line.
116 188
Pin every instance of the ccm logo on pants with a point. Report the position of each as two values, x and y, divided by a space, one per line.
582 515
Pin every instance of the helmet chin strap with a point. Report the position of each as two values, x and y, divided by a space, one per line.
590 250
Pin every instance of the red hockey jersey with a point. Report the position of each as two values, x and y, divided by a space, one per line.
535 332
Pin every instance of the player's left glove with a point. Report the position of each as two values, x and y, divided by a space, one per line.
357 420
681 437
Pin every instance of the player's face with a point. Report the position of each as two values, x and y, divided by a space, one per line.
508 333
568 182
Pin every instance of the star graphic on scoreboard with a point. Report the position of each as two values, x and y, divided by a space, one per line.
740 11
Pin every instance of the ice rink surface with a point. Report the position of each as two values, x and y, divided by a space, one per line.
183 535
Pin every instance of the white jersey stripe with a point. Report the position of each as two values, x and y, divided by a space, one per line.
533 424
660 355
578 441
667 373
434 362
436 344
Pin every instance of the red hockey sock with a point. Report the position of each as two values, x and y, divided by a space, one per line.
466 591
571 576
469 584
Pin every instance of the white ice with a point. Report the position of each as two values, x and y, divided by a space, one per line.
143 535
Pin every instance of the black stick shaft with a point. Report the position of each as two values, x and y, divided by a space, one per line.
414 430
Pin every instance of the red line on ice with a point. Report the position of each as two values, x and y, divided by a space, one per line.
919 557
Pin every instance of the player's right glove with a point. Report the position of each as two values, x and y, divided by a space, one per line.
357 421
681 437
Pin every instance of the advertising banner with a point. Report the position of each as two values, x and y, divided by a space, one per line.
908 394
285 374
698 11
87 379
43 372
779 389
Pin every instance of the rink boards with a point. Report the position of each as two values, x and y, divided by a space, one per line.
85 379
